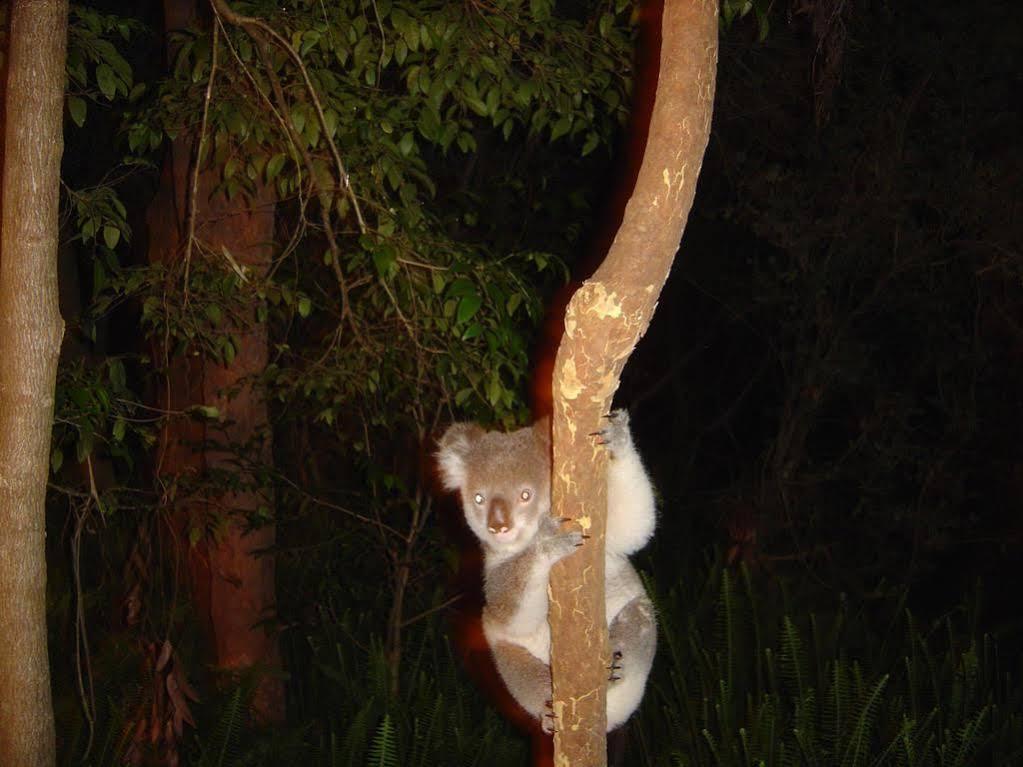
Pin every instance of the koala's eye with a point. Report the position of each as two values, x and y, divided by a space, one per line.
478 497
525 495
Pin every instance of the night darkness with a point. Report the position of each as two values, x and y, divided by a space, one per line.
829 399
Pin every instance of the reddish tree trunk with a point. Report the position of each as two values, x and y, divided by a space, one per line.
231 582
603 322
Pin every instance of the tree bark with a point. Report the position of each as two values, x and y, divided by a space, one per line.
604 320
31 330
232 583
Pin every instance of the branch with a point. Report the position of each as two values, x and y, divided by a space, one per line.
603 322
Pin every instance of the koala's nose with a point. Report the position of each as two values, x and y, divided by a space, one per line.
498 516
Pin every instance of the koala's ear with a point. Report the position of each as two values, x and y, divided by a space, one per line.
542 432
453 450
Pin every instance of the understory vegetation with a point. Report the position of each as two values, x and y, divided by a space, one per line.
748 673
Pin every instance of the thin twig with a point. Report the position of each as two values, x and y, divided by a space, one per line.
437 608
193 203
83 663
223 9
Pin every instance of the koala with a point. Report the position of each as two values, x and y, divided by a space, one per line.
503 480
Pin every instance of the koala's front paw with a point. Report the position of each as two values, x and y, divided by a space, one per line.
616 434
563 543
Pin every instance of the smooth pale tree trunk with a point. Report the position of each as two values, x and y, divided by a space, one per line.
603 322
31 330
232 583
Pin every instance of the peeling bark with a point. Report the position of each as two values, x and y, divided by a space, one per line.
31 330
603 322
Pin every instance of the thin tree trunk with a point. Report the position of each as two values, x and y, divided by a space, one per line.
31 330
603 322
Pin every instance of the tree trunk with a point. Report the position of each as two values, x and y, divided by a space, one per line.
232 584
603 322
31 330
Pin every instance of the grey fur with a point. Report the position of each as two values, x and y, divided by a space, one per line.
504 484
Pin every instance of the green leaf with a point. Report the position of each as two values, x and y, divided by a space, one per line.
477 106
297 120
83 448
274 165
494 390
107 81
305 306
56 459
118 377
384 258
493 99
207 411
462 287
111 236
561 127
467 307
406 143
213 313
513 303
592 141
118 430
76 108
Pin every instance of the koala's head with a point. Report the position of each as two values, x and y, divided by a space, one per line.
503 479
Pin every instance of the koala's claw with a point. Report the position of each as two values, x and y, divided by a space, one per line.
617 429
564 543
615 666
549 719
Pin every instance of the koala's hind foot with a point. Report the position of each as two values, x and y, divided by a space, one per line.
549 721
615 667
633 636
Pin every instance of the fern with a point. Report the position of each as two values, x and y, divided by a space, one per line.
968 739
860 738
357 733
383 751
222 745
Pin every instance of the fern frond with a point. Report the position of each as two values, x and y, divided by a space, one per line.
858 747
383 751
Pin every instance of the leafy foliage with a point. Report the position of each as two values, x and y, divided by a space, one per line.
447 126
